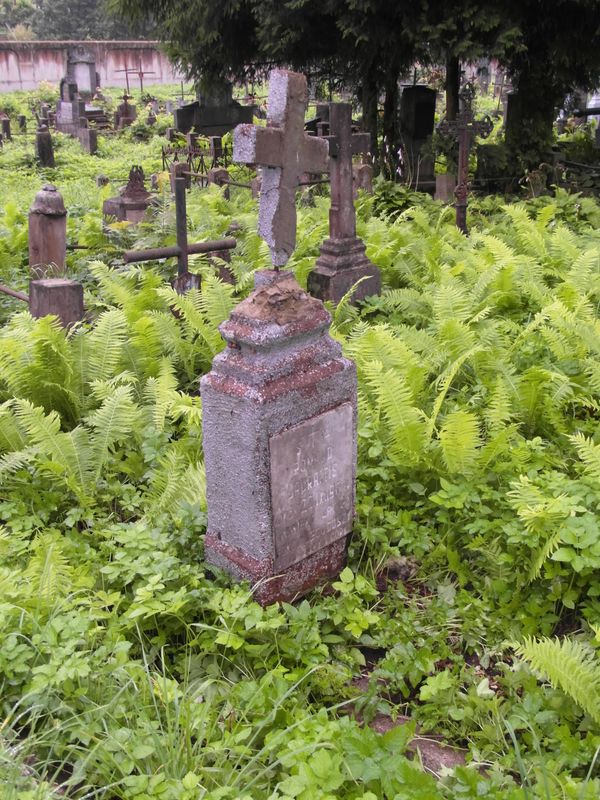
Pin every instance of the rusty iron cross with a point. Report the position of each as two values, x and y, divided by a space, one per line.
185 280
464 129
343 144
284 152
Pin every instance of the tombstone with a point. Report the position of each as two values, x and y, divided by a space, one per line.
44 151
131 204
125 114
169 106
445 184
170 134
81 70
70 108
279 405
151 118
22 121
102 180
342 260
58 296
47 233
5 128
362 178
88 138
154 182
417 119
212 114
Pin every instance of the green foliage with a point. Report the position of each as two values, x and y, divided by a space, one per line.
130 670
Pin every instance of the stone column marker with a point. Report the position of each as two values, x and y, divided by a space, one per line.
47 234
284 152
279 405
44 150
343 261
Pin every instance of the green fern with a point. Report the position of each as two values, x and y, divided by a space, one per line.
568 665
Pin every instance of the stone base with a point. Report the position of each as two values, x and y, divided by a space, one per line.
186 282
286 586
340 265
58 296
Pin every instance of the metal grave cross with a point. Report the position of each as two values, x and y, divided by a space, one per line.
185 280
464 129
343 144
284 152
126 70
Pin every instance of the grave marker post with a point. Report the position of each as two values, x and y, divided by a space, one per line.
342 261
279 405
464 129
44 151
47 233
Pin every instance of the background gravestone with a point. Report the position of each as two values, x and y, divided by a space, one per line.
212 114
417 119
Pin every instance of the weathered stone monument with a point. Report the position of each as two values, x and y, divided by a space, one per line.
417 119
5 127
70 108
213 114
279 405
47 233
44 150
59 296
131 204
81 70
88 137
343 261
126 114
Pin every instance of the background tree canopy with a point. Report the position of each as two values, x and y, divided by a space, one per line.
64 19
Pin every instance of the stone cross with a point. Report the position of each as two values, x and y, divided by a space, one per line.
284 152
185 280
280 402
343 261
464 129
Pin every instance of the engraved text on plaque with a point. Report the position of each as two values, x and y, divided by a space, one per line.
312 484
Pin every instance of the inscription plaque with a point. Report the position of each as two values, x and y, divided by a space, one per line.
312 485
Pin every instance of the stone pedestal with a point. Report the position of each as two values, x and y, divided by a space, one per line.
57 296
279 438
341 263
47 233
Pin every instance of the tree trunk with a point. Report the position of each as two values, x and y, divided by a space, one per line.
529 120
452 86
370 116
391 134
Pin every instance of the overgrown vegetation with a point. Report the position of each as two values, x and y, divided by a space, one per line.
129 671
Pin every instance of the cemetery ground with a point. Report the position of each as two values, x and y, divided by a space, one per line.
130 669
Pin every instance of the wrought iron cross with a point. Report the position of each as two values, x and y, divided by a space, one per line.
464 129
185 280
284 152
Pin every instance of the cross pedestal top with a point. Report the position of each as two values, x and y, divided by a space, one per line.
284 152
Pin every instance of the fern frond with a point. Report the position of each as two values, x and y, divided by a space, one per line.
589 453
568 665
115 421
460 440
105 345
48 571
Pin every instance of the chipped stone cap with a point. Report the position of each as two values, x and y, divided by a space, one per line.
48 201
277 310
